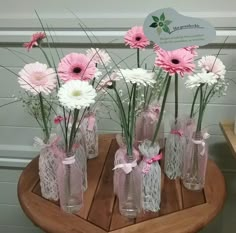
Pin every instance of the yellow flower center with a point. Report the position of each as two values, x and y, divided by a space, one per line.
76 93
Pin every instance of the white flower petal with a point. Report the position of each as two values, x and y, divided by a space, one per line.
76 94
138 75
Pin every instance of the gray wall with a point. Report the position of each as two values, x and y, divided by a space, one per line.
17 128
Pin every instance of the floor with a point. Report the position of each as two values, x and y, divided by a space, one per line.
225 222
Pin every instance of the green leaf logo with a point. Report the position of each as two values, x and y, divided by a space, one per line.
156 19
162 17
161 24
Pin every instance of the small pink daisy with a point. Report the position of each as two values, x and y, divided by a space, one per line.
136 38
76 66
35 40
99 56
178 61
212 64
37 78
192 49
58 119
107 82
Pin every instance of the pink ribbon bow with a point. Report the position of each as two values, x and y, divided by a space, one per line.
52 145
177 132
91 121
121 156
149 162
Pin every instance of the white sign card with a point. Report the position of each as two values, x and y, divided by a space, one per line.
171 30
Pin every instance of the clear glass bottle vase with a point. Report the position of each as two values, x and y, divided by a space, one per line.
195 163
69 177
130 193
89 131
81 157
128 185
145 128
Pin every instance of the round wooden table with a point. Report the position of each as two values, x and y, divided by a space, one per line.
181 210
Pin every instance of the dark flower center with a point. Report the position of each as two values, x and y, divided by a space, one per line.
175 61
76 70
161 24
138 38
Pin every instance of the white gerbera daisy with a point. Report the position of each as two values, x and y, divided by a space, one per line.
138 75
212 64
37 78
98 56
201 78
76 94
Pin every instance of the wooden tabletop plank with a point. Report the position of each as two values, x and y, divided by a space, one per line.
118 221
192 198
144 216
185 221
37 189
214 178
227 128
95 167
52 219
101 210
171 201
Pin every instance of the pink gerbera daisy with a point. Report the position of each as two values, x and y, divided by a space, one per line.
212 64
99 56
76 66
178 61
35 40
37 78
136 38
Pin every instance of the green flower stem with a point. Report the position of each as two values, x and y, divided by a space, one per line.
44 118
46 56
200 115
138 58
58 82
176 96
73 130
209 95
123 120
162 109
130 107
151 92
162 88
132 117
194 101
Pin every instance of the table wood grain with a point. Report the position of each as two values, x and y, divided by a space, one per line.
227 128
181 210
